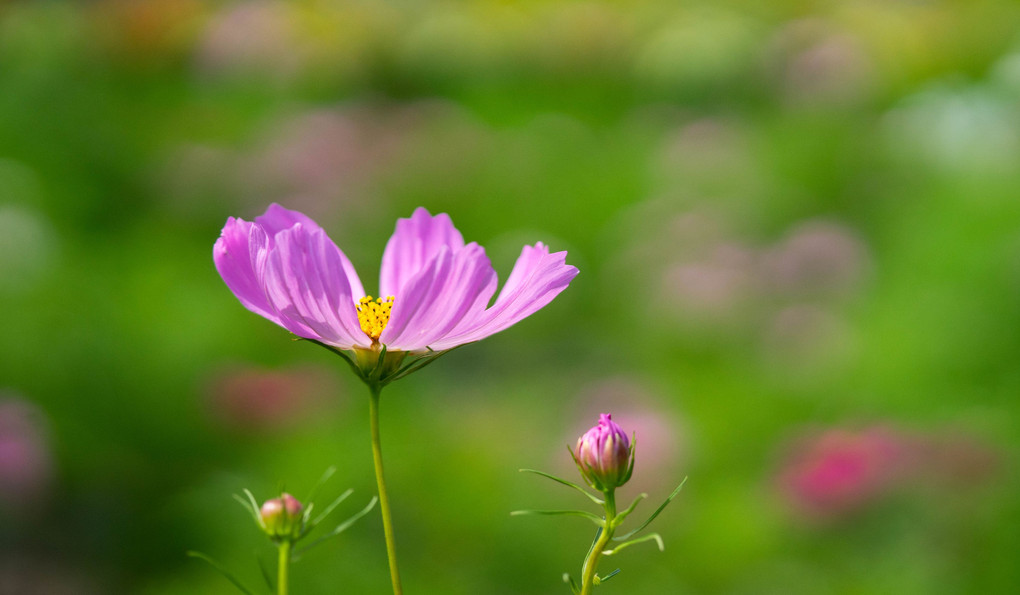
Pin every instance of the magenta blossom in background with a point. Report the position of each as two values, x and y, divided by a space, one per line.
434 289
840 471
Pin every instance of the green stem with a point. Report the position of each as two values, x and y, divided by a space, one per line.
384 500
591 563
281 575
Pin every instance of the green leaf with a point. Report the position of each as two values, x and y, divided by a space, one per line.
332 506
654 514
219 568
251 506
623 515
650 537
337 531
266 575
601 579
581 513
594 499
570 581
322 480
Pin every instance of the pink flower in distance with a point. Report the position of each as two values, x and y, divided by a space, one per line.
434 289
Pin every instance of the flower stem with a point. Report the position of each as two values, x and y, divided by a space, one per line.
384 500
591 563
281 575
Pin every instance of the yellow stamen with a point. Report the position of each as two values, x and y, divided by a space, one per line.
373 314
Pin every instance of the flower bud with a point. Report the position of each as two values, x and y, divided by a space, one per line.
604 455
282 518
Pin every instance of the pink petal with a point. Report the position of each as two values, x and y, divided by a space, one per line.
455 287
536 279
277 219
413 245
239 255
308 284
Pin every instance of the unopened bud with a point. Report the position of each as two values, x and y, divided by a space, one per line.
604 455
282 517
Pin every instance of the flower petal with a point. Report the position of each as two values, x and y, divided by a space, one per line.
536 279
308 284
413 245
277 219
455 287
240 258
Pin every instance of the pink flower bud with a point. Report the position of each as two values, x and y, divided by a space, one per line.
604 455
281 517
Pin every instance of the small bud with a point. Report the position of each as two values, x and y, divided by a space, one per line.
604 455
281 517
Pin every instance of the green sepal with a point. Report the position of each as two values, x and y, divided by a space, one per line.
384 368
650 537
599 521
418 363
580 469
338 530
570 581
654 514
340 352
219 568
569 484
630 464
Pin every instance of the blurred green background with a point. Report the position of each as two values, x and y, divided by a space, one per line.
798 230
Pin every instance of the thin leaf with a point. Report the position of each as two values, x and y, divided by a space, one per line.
650 537
566 483
623 515
330 508
251 506
654 514
570 581
219 568
322 480
266 576
601 579
581 513
338 530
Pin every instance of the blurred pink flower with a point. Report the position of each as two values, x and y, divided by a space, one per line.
817 64
255 399
832 474
26 465
838 471
715 284
251 38
816 256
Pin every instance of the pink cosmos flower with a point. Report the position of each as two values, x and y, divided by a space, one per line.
437 289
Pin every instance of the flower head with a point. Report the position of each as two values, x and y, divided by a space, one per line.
605 455
434 290
282 518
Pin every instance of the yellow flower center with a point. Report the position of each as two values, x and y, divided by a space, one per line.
373 314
